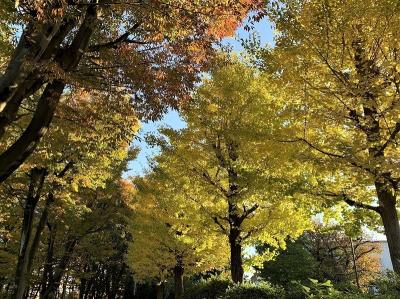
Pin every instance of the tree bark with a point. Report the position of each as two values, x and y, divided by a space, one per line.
236 256
17 153
68 59
160 290
385 185
27 82
390 219
37 177
59 272
178 281
48 266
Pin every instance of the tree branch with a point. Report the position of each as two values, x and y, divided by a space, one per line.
389 140
207 177
248 212
353 203
124 38
215 218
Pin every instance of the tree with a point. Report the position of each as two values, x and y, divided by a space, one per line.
341 258
338 62
92 236
325 254
227 167
151 51
77 153
166 238
295 263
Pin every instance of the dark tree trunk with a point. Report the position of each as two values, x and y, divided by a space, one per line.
390 219
385 185
48 266
37 177
236 256
68 60
178 281
160 290
17 153
84 283
59 271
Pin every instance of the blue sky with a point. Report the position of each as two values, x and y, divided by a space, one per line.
172 118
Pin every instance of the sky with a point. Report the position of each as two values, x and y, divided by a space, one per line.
172 119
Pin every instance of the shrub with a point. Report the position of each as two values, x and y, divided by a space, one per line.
386 286
263 290
294 290
325 290
212 288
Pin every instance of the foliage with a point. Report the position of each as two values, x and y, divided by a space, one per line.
324 254
262 290
337 63
166 236
80 160
331 250
308 126
295 263
387 285
223 161
318 289
211 288
152 52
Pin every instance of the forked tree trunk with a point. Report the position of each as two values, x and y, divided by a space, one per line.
68 60
17 153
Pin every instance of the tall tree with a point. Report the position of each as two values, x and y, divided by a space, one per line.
152 51
338 62
77 153
227 165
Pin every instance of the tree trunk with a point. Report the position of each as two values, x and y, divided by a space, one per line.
48 266
178 281
236 256
390 219
37 177
68 59
160 290
17 153
54 283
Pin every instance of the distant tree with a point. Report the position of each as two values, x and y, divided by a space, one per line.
293 263
324 254
168 240
333 252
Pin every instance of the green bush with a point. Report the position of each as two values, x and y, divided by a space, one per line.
294 290
212 288
386 286
263 290
323 290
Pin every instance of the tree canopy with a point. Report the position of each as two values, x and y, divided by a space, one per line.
287 156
